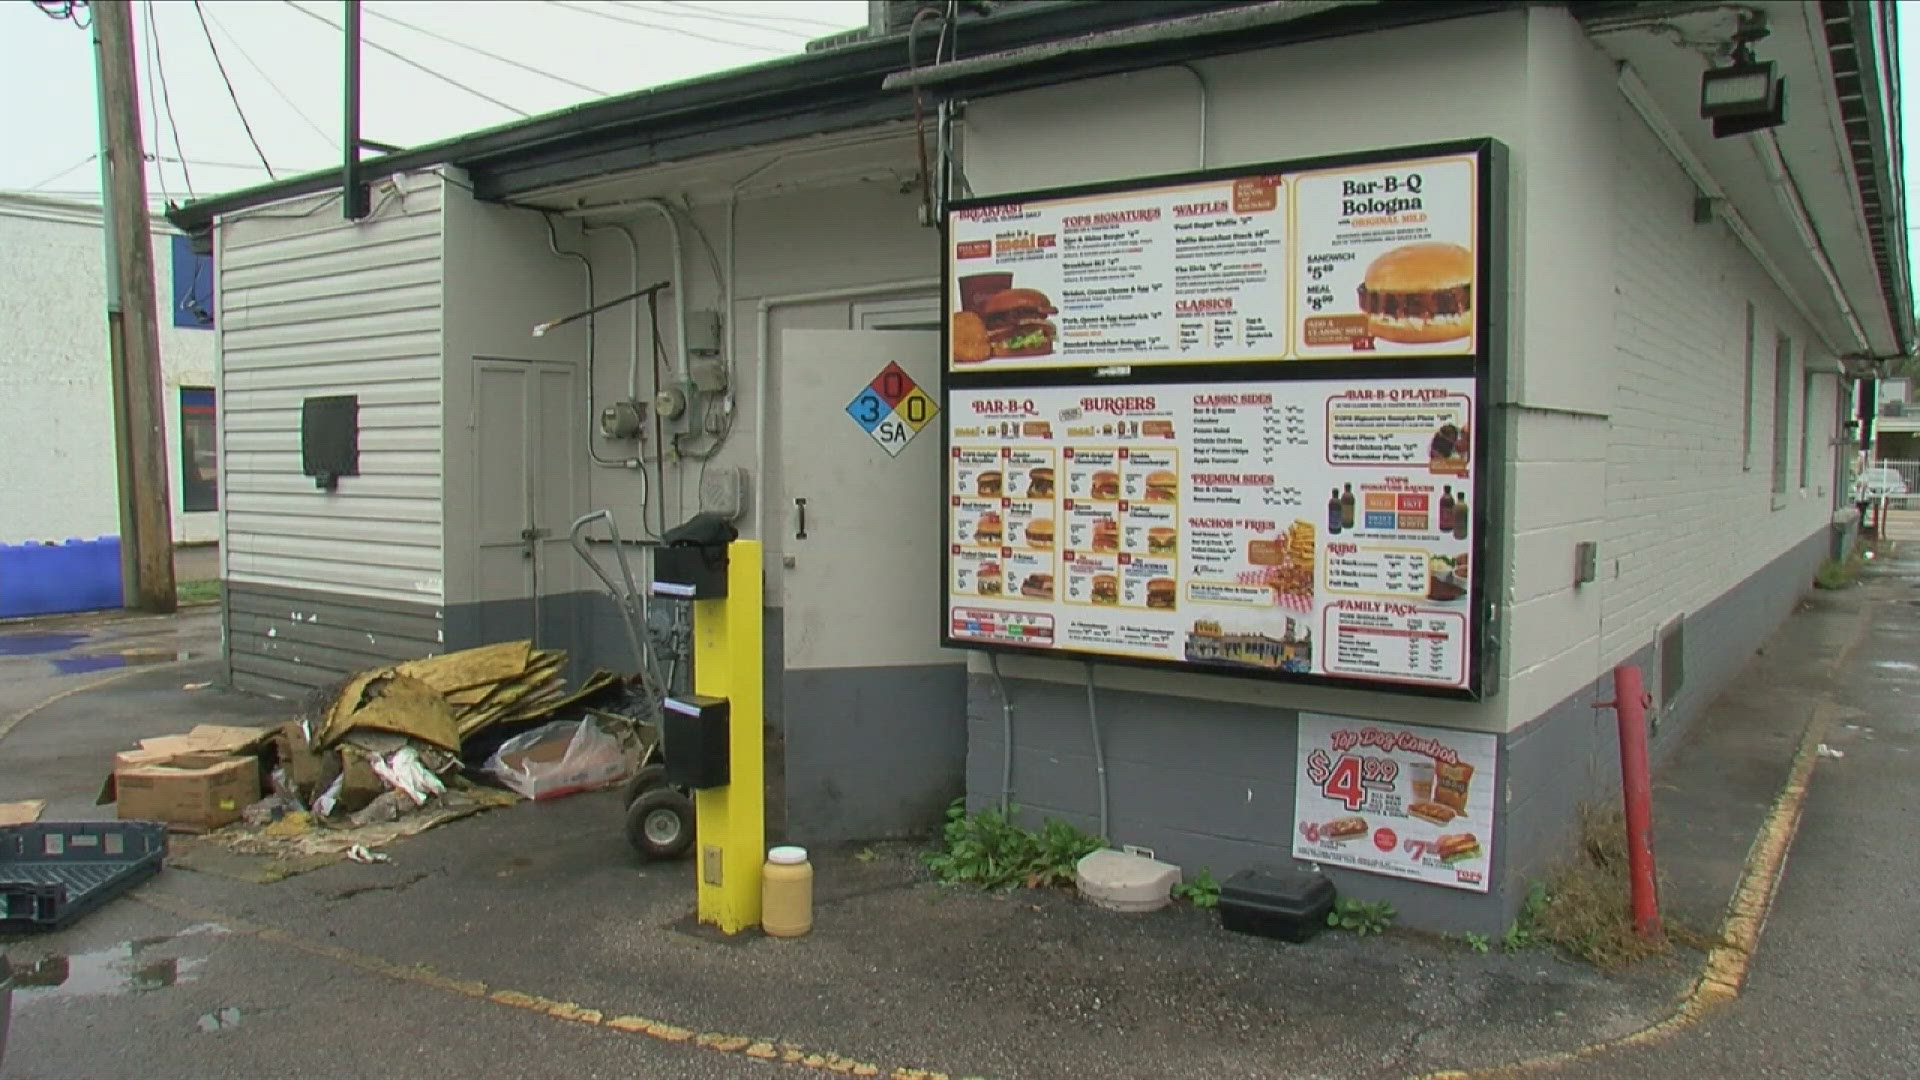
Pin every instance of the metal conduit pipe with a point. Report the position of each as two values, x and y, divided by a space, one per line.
680 290
586 266
1006 732
633 272
1099 757
1643 103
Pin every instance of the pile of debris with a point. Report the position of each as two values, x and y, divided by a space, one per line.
397 750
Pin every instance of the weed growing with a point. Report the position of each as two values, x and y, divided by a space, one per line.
988 850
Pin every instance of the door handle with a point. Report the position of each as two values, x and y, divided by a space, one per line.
801 506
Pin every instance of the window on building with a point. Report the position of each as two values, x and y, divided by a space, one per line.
1806 429
1746 401
192 296
1782 410
199 461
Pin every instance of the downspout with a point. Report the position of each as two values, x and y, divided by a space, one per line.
1767 148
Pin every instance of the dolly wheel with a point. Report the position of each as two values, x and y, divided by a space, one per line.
646 779
660 823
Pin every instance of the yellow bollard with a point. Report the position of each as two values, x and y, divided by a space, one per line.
730 821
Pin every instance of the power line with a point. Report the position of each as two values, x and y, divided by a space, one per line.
796 19
662 26
90 158
160 73
153 99
231 96
489 55
271 85
729 19
410 62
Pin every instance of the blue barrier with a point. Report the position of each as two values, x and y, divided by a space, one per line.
50 579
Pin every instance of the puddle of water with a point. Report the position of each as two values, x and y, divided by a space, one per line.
218 1020
80 665
117 970
37 644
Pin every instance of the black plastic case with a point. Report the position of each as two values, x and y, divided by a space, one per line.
1291 905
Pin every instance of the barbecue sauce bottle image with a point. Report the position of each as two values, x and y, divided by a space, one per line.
1446 509
1334 513
1346 508
1460 517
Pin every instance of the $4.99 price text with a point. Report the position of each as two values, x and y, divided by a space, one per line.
1349 778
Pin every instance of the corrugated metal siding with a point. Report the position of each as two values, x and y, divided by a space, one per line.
289 642
313 305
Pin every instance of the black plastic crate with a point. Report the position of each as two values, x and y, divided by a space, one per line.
52 873
1291 905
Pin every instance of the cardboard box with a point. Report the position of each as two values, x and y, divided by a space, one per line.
216 739
189 791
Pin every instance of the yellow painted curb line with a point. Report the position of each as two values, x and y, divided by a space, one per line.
420 975
1725 970
11 722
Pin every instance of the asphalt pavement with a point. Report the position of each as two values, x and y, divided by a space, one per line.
1834 988
432 963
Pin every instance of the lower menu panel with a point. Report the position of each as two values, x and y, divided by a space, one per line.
1316 528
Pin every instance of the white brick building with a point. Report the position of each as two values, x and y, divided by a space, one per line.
1678 323
56 397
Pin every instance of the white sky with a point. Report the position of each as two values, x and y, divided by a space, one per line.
46 73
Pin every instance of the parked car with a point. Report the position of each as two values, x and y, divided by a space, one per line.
1878 481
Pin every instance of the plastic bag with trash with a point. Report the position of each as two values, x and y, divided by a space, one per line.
561 758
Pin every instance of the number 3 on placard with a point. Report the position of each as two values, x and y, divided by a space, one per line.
1344 783
871 405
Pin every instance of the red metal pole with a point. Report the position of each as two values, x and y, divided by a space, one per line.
1630 708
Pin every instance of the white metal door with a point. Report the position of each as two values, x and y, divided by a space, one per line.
860 528
524 478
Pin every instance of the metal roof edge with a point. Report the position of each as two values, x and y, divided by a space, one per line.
769 85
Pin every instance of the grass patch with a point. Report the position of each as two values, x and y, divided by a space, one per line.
197 592
1837 573
1584 908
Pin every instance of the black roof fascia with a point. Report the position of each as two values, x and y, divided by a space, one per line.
1098 58
741 101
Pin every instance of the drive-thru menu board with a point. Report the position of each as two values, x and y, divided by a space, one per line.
1373 260
1315 527
1150 458
1412 802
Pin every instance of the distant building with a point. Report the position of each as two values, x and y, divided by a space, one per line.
57 477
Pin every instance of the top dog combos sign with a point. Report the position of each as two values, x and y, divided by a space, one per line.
1227 421
1378 259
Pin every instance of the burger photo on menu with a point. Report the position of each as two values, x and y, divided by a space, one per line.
1016 323
1162 486
987 532
1106 485
1106 589
988 484
1040 533
1420 293
1038 586
1040 483
1106 535
1160 593
1162 540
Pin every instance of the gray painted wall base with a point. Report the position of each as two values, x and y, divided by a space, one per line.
1212 784
289 643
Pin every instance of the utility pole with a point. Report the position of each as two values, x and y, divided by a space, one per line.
353 193
133 337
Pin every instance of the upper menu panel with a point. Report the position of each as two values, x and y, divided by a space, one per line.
1368 260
